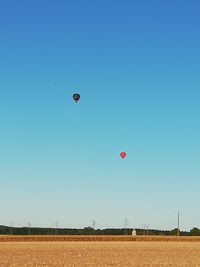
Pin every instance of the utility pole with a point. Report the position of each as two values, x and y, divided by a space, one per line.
178 226
147 229
29 228
143 229
11 228
125 226
94 224
56 229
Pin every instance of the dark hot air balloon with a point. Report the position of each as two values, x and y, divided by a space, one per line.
123 155
76 97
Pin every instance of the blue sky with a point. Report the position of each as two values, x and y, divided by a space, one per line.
136 66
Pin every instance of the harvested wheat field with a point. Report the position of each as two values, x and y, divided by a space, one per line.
90 238
99 253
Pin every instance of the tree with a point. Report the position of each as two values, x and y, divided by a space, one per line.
174 231
195 231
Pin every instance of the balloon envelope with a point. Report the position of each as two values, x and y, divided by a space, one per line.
123 154
76 97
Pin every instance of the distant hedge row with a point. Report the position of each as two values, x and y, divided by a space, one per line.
5 230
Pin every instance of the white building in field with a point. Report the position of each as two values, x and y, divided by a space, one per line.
134 232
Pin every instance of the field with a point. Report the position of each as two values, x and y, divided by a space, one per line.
57 238
99 253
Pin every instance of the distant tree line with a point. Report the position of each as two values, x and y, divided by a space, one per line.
6 230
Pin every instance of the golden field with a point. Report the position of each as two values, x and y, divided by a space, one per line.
99 253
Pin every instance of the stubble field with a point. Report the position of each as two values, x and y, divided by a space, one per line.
99 253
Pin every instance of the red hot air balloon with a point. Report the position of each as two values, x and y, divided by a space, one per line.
123 155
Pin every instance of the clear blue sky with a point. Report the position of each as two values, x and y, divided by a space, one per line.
136 65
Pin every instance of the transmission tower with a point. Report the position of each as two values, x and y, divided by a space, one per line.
178 225
144 231
11 228
94 224
126 226
56 229
29 228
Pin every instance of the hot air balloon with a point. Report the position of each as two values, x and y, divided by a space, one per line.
123 155
76 97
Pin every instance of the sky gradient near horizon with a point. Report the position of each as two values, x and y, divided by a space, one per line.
136 66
